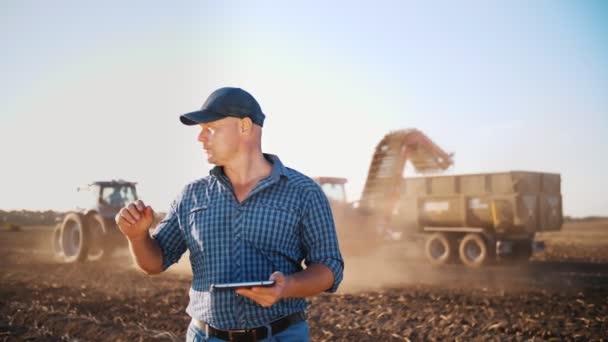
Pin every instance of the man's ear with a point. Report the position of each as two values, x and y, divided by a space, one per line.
246 125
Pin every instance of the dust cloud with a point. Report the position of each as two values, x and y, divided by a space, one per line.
388 265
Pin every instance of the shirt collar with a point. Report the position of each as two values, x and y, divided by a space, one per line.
278 169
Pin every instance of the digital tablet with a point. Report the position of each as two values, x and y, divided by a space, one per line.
263 283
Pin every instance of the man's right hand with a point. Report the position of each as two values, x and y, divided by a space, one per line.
135 220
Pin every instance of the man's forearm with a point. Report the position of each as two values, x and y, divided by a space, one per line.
147 254
315 279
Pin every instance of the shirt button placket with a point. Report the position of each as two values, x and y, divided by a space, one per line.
237 243
237 247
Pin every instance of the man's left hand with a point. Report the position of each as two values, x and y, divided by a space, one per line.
266 296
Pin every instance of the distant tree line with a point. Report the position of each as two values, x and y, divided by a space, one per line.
29 218
35 218
585 219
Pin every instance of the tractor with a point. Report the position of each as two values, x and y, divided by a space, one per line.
91 234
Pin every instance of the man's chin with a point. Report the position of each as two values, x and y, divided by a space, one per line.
211 160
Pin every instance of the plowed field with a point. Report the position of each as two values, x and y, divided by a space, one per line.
562 294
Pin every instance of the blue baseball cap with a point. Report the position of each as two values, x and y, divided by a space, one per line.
226 102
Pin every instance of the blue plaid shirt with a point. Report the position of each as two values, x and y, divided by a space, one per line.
285 219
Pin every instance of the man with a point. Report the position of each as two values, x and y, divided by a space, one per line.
251 219
115 199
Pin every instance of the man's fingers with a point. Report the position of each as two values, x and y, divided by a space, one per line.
135 219
277 277
149 211
249 292
126 215
261 295
121 221
133 211
260 298
139 204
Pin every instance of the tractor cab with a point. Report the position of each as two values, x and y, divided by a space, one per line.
110 196
333 187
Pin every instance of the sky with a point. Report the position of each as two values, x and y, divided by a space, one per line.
93 90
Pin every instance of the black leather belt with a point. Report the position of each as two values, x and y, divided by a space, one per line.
252 334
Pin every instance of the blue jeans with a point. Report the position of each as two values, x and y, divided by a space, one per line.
296 333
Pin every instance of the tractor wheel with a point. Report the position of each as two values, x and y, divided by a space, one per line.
474 251
97 232
74 238
438 249
57 248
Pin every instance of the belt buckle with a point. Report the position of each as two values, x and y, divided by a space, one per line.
237 335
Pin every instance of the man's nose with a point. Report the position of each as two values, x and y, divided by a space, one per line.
203 136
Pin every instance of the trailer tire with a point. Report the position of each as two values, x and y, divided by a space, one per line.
438 249
74 238
474 251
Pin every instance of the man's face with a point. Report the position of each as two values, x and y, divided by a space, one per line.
220 139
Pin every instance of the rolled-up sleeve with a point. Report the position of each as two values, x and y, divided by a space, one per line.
319 236
169 237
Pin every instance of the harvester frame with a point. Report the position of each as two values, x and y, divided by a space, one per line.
379 214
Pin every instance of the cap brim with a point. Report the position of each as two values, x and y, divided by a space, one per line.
200 116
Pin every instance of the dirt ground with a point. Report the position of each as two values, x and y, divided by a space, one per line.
562 294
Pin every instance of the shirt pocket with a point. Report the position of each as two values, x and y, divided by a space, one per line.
208 228
196 218
272 228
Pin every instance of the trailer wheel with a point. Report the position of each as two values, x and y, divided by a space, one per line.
74 238
97 231
473 250
438 249
57 248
